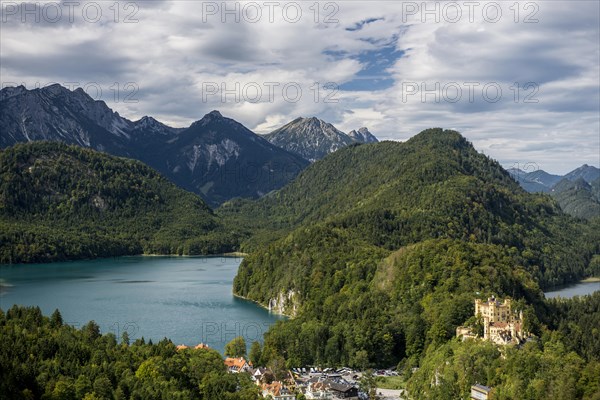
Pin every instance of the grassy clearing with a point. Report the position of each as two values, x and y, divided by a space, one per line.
390 382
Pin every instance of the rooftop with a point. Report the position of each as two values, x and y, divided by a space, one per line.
481 388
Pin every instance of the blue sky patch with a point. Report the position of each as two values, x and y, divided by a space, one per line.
374 75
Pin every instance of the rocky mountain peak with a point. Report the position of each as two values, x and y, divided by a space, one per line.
11 91
55 89
151 125
310 138
213 116
363 135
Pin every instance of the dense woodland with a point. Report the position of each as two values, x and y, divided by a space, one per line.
578 198
435 185
563 363
378 313
41 358
379 265
60 202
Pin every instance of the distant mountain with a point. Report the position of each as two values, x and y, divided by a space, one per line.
310 138
541 181
363 136
313 139
577 192
219 160
58 114
535 181
578 198
60 202
589 173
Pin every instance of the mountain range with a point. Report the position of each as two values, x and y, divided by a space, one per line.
575 192
541 181
313 139
215 157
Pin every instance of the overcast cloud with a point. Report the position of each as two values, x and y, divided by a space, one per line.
173 57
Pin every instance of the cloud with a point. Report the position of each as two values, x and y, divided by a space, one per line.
370 51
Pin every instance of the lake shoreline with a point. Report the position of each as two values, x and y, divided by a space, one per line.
235 254
591 279
583 287
261 305
185 299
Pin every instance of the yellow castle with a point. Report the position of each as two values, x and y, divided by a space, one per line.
500 324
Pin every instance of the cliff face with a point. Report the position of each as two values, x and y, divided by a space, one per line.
284 303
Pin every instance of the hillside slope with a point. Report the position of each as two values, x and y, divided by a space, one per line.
578 198
457 216
60 202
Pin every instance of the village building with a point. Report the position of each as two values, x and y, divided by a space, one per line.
277 391
198 347
237 365
327 388
259 374
342 390
317 390
480 392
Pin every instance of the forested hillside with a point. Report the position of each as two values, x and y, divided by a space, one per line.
564 363
383 247
42 358
433 186
60 202
578 198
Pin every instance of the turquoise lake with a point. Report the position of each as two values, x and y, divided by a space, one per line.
186 299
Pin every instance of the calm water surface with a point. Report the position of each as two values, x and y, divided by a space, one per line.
186 299
578 289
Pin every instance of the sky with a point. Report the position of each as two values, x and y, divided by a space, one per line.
519 79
